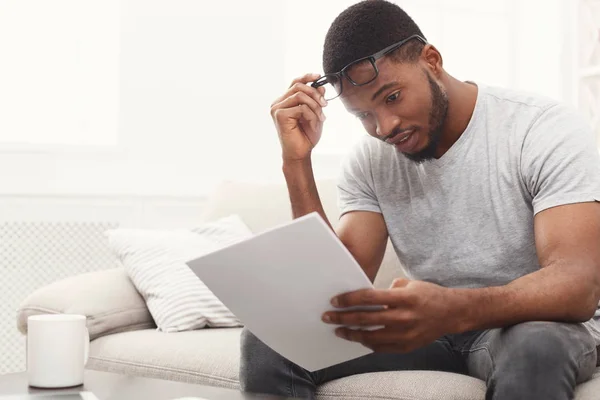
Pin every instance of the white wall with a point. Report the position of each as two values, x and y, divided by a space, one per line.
59 72
197 79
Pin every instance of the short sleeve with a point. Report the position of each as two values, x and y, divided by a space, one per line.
355 182
560 162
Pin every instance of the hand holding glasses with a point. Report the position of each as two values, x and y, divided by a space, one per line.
298 117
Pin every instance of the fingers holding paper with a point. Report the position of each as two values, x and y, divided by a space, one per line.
414 314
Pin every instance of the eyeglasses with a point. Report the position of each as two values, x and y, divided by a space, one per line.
359 72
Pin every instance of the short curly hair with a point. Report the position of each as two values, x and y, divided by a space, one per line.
364 29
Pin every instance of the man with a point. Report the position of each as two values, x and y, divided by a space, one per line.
490 198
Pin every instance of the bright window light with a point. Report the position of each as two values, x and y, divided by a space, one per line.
59 72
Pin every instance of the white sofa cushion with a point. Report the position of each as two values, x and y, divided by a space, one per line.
211 357
208 356
155 261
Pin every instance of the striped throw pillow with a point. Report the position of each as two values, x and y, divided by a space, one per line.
155 262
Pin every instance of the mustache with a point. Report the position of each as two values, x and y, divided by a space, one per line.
397 131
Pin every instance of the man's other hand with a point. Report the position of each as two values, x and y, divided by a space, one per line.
415 314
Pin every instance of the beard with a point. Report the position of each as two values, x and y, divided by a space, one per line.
437 117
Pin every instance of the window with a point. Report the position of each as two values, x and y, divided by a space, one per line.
59 72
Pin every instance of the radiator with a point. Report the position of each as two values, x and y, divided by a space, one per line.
34 254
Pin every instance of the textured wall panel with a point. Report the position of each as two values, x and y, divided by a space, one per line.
33 254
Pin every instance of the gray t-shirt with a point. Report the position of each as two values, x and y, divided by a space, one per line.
466 219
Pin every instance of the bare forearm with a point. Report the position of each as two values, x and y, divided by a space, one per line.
554 293
302 189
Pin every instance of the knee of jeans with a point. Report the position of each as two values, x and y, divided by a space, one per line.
248 342
249 348
257 362
547 343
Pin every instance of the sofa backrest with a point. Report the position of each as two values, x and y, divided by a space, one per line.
262 206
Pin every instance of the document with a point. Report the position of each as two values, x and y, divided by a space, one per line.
280 282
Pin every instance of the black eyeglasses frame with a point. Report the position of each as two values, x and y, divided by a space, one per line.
328 78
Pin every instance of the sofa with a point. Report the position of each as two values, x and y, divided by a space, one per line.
124 338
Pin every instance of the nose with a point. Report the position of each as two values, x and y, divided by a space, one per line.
386 124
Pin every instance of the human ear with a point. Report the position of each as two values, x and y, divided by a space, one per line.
432 60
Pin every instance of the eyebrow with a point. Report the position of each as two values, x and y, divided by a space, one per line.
383 89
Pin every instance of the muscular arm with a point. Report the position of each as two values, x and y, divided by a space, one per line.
364 233
566 288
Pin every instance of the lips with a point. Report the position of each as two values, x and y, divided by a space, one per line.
400 137
405 141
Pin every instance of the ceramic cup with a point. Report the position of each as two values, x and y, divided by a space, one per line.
57 350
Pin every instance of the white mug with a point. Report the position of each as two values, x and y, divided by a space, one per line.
57 350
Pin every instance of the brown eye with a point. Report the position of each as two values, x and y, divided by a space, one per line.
393 97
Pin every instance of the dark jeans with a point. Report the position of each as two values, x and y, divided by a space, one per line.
532 360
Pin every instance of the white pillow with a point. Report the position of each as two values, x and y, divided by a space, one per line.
155 262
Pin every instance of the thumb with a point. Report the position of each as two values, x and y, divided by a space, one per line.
399 282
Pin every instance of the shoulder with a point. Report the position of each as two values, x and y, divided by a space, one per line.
365 151
367 159
525 112
517 103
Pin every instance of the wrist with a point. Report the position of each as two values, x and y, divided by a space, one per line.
461 311
486 308
292 165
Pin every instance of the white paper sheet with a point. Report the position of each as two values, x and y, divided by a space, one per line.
280 282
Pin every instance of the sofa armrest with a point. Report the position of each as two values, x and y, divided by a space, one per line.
107 298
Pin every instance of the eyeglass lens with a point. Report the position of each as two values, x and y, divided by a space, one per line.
359 73
332 87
